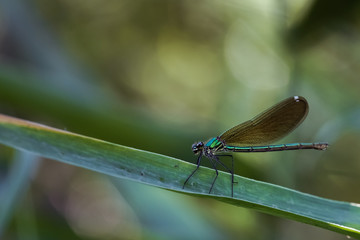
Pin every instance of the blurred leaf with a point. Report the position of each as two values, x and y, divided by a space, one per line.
15 186
19 90
168 215
170 173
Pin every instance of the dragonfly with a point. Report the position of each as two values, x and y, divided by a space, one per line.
255 135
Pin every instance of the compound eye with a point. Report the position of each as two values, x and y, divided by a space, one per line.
197 147
194 147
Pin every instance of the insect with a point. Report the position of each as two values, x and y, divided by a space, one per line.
255 135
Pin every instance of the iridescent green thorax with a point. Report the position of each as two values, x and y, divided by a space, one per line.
213 143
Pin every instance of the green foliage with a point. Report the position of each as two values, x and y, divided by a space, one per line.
169 173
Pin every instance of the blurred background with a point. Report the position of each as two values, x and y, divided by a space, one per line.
159 75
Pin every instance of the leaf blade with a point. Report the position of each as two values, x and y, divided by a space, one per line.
170 173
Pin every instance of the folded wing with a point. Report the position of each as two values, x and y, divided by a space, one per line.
269 126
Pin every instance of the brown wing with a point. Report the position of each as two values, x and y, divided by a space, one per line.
269 126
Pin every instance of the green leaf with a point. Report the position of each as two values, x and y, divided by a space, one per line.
170 173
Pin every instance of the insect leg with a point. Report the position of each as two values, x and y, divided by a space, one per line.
197 167
212 158
231 171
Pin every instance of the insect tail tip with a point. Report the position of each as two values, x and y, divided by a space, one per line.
321 146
